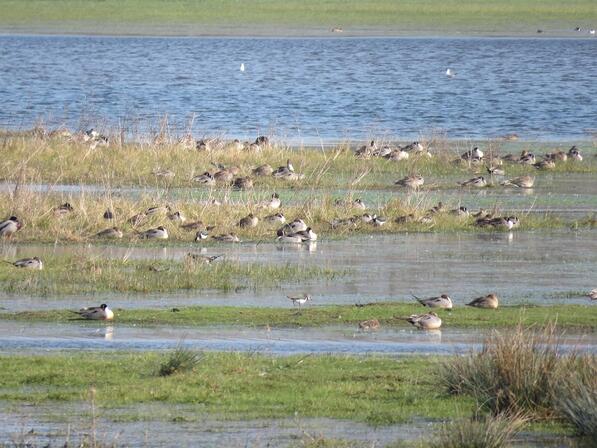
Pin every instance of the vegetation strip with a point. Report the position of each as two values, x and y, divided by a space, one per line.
581 317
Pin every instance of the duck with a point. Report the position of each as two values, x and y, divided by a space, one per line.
227 238
249 221
429 321
527 159
262 140
575 154
207 259
366 151
195 225
405 219
177 216
384 151
223 176
28 263
357 203
275 218
378 221
306 235
298 225
112 232
414 147
292 239
206 178
365 217
102 312
478 182
159 233
164 173
263 170
546 164
460 211
10 226
108 214
397 155
274 203
201 235
236 145
352 221
300 300
520 182
63 209
474 153
413 182
489 301
203 145
242 183
284 171
593 294
495 171
369 325
442 301
157 210
558 156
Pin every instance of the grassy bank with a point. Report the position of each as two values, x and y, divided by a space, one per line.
229 17
579 317
79 274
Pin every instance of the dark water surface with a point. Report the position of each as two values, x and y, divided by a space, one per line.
304 89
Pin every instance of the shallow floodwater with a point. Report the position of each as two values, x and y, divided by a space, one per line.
304 89
521 267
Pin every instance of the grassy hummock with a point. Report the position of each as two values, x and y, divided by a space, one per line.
581 317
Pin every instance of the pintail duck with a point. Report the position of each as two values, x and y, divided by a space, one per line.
157 210
413 182
274 203
520 182
195 225
112 232
593 294
262 140
442 301
369 325
429 321
384 151
300 300
478 182
558 156
177 216
527 159
275 218
164 173
292 239
203 145
546 164
352 221
405 219
10 226
365 151
378 221
223 176
414 147
460 211
365 217
298 225
495 171
574 154
397 155
206 178
227 238
63 209
284 171
472 154
242 183
249 221
489 301
263 170
159 233
357 203
439 208
101 312
28 263
201 235
202 258
306 235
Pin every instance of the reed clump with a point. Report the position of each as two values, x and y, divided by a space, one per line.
181 360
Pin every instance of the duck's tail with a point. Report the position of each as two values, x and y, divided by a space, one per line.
418 299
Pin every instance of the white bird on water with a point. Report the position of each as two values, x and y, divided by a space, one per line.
450 73
242 67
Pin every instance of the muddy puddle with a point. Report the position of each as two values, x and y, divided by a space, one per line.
20 337
521 267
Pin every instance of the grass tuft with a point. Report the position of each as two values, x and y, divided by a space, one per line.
181 360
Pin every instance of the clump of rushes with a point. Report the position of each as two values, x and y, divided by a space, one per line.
515 371
491 431
181 360
576 398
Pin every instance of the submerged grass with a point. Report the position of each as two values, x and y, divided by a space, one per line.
370 389
80 274
579 317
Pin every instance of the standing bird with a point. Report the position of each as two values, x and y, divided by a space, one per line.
101 312
442 301
300 300
489 301
10 226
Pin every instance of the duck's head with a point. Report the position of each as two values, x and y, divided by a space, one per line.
103 306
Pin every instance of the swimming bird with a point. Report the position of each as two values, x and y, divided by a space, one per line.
28 263
520 182
227 238
300 300
592 31
10 226
101 312
489 301
478 182
159 233
450 73
242 67
369 325
413 182
249 221
112 232
429 321
442 301
207 259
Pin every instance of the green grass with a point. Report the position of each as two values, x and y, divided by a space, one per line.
230 16
369 389
580 317
80 274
